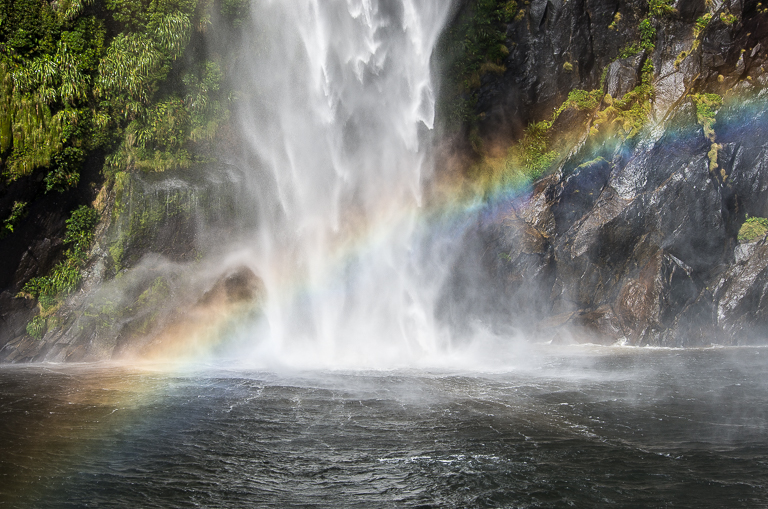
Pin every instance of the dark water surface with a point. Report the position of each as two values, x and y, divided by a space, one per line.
583 427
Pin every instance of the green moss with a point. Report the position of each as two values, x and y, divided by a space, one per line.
136 226
603 77
630 113
753 228
121 183
510 10
680 57
592 162
712 156
137 229
534 149
707 106
534 153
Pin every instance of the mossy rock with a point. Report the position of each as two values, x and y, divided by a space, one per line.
754 228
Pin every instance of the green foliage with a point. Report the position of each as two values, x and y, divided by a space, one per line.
71 82
628 51
535 152
205 103
701 24
660 8
583 99
77 75
18 212
728 18
472 48
129 72
65 276
45 92
647 40
630 113
647 35
80 226
29 27
510 11
36 135
37 327
65 173
236 11
753 228
155 140
707 106
534 147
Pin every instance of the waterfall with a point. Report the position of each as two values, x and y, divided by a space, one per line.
339 119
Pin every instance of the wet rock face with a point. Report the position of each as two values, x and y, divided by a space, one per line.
556 47
240 285
159 310
741 294
640 234
640 246
622 75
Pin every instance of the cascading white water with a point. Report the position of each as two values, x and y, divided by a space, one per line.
340 123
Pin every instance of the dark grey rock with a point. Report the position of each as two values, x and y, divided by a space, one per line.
623 75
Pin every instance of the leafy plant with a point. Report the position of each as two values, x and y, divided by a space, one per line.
582 99
80 226
37 327
647 35
18 212
701 24
629 50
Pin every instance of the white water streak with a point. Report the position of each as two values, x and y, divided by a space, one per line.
344 102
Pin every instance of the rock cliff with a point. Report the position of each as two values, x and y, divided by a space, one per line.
633 234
